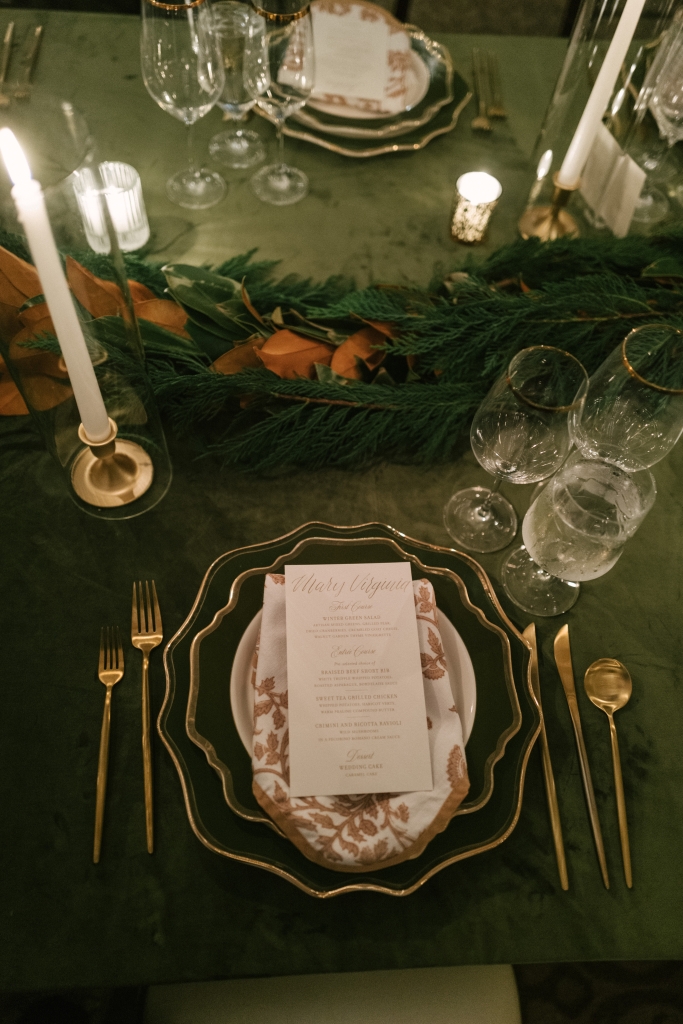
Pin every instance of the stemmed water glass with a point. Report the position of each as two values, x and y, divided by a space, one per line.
279 72
182 69
575 530
519 433
235 147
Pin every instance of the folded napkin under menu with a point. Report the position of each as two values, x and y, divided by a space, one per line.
364 831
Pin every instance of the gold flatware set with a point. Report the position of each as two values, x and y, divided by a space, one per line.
608 686
21 90
146 634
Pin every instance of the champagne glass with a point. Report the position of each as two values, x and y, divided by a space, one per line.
633 413
279 70
575 530
235 147
519 433
182 68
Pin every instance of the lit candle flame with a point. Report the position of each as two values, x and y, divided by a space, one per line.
14 157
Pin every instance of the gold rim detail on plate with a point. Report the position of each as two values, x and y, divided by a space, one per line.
224 771
192 810
392 147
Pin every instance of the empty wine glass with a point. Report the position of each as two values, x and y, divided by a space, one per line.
633 413
182 69
575 530
519 433
279 70
235 147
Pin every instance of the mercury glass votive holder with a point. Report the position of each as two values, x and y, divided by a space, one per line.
123 192
476 196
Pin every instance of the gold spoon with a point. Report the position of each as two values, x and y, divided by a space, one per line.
608 685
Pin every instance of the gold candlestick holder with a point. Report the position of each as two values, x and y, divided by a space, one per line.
112 472
551 221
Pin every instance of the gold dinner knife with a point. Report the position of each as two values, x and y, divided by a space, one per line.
551 792
563 659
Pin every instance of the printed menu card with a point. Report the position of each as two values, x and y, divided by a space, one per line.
350 55
356 698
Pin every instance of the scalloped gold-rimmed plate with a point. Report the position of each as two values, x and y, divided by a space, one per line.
506 724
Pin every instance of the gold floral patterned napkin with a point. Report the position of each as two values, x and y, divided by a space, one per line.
366 831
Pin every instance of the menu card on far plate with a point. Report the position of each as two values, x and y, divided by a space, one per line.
356 698
350 55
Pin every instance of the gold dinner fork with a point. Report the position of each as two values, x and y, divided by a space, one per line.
146 634
110 671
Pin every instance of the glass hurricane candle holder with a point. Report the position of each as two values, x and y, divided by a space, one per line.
476 197
123 469
594 29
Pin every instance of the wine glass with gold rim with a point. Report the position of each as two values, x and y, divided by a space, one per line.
520 433
182 68
279 72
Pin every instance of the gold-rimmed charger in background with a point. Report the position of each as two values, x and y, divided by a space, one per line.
508 702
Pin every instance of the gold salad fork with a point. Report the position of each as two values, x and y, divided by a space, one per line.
146 634
110 671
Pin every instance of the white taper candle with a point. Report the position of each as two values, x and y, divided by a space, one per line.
587 128
30 203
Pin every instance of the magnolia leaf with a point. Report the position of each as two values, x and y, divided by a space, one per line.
164 313
387 329
11 402
140 292
43 380
31 315
100 298
313 330
361 345
384 377
666 267
214 297
239 358
18 279
247 302
182 275
326 375
290 355
10 323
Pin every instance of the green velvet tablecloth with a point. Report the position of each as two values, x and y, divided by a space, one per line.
183 913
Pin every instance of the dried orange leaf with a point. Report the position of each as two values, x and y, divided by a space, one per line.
361 345
388 329
247 302
18 279
100 298
44 381
290 355
11 402
164 313
140 292
239 358
34 314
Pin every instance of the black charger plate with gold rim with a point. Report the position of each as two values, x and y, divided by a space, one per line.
197 728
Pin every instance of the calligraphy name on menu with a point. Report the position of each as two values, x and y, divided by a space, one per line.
356 696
